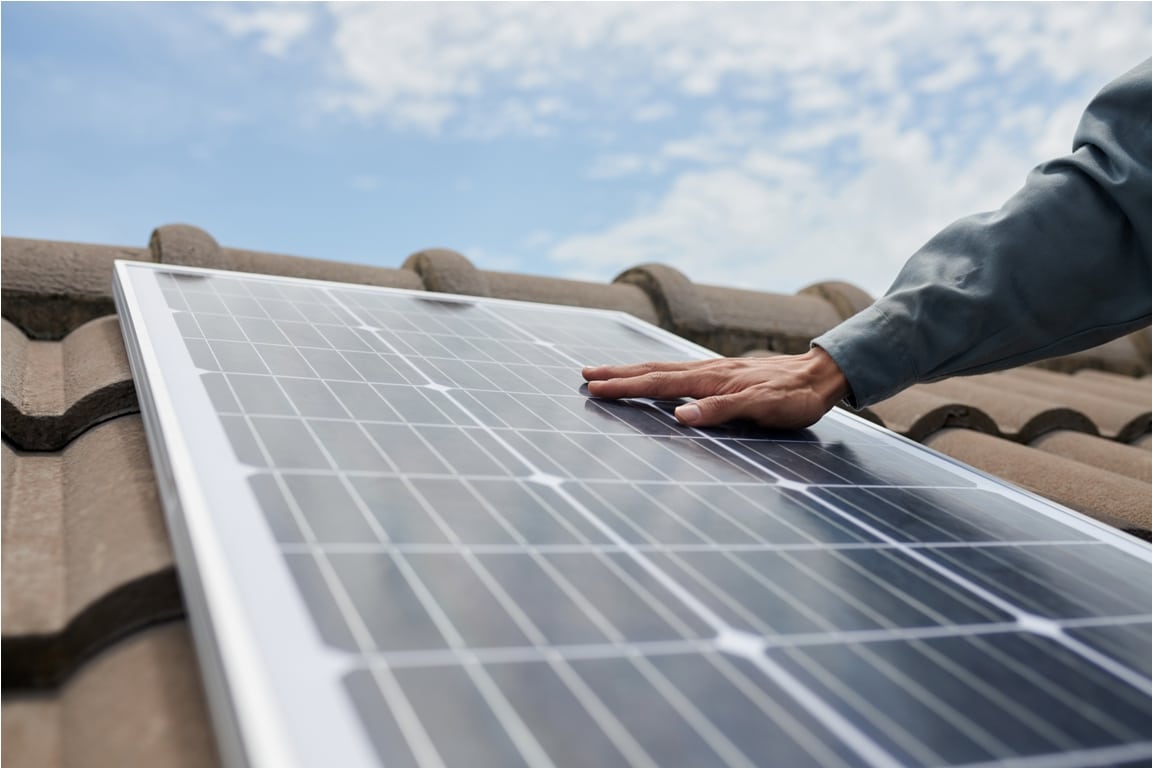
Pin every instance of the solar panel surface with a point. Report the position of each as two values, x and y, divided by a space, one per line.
408 538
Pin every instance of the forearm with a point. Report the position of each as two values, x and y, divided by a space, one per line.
1064 265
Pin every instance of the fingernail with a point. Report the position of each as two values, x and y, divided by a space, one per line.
689 413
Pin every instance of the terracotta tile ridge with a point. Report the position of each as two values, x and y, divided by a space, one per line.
139 703
845 298
446 271
1112 498
574 293
1142 341
1115 419
51 288
34 662
732 320
86 554
1120 387
1017 417
1121 355
1098 452
918 412
673 296
186 245
1120 381
1117 386
54 391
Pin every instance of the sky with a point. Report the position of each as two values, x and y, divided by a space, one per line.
759 145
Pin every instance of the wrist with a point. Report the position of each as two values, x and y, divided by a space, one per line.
827 380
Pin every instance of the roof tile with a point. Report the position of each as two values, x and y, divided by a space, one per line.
1121 420
193 247
845 298
1123 356
51 288
574 293
54 391
86 555
1110 386
1017 416
1098 452
447 271
140 703
1110 497
918 412
731 321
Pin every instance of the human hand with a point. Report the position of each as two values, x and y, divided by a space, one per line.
782 392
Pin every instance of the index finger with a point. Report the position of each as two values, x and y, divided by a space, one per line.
601 372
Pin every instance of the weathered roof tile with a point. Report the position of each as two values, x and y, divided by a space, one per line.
86 554
845 298
1122 420
51 288
1122 356
447 271
54 391
1113 498
1017 416
193 247
731 321
918 412
140 703
1098 452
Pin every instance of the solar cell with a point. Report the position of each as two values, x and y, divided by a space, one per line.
408 537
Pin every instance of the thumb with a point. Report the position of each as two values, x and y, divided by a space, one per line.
709 411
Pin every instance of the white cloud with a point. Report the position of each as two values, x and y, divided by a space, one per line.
776 224
422 65
869 158
276 26
818 140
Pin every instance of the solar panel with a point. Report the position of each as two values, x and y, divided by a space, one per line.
408 537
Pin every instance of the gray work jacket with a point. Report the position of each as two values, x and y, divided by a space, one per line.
1064 265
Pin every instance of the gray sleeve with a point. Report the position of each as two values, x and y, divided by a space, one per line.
1064 265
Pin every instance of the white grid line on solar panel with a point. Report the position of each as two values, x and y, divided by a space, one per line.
1009 705
1086 588
1027 619
511 654
1132 644
573 549
1103 757
1121 715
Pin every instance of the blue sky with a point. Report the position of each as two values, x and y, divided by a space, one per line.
759 145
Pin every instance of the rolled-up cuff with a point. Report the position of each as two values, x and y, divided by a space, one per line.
869 349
